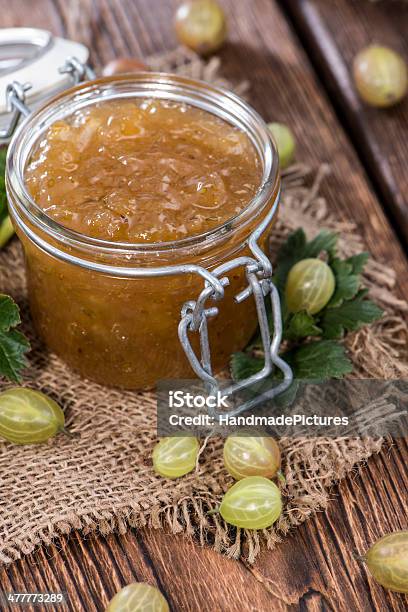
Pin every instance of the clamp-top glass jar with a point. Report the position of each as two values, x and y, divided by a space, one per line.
111 309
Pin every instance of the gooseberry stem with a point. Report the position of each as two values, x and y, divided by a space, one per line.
68 433
280 476
214 511
359 557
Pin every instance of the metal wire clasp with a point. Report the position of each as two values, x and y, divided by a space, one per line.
15 100
195 315
77 70
16 93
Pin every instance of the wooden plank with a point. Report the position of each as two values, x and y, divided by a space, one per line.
197 579
284 87
92 570
333 33
314 569
89 571
318 565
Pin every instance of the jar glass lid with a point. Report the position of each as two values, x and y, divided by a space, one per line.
29 55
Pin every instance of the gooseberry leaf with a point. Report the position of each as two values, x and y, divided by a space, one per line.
3 196
319 360
325 241
289 254
347 283
358 262
315 360
244 365
13 344
286 398
9 313
6 227
13 347
301 325
349 316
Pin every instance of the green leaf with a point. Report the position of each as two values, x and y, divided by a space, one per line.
244 365
319 360
347 283
301 325
13 344
295 244
358 262
285 399
13 347
6 227
362 293
313 361
9 313
325 241
3 196
349 316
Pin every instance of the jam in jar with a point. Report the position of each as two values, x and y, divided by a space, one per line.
117 179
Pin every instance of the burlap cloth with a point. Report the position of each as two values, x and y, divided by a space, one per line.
102 480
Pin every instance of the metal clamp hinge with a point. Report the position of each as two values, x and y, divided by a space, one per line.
195 316
16 93
15 100
77 70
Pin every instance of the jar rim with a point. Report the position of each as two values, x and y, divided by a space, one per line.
211 98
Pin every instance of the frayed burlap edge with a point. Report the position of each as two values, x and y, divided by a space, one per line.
102 481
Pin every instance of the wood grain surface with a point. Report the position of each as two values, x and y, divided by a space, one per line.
333 33
315 568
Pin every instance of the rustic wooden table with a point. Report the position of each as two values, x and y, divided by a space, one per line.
297 54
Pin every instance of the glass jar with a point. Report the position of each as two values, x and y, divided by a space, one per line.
112 310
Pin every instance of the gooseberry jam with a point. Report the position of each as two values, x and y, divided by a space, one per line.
136 173
148 171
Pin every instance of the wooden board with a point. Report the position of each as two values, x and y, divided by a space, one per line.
333 33
314 569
